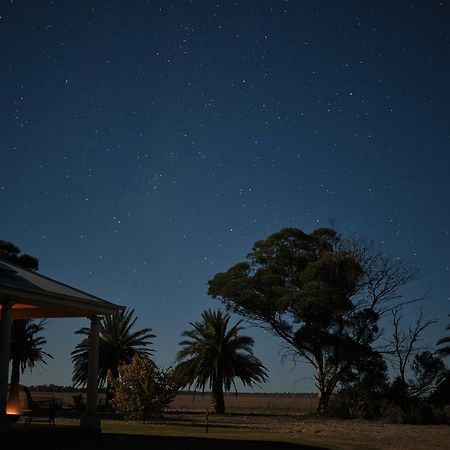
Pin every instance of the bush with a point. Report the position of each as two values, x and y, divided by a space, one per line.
339 408
142 389
78 402
423 414
354 402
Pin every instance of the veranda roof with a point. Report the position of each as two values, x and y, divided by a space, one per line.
34 295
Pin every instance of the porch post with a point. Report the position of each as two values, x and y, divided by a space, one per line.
5 347
90 420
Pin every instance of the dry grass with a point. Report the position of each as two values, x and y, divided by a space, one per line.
339 434
250 403
331 434
283 418
353 434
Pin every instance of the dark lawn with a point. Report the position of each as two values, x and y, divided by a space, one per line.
40 436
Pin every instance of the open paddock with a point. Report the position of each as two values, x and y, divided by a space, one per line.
240 403
238 432
249 403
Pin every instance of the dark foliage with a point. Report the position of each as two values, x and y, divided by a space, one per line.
321 294
10 252
118 343
26 342
445 341
214 355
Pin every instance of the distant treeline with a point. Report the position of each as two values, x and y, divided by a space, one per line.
256 394
58 388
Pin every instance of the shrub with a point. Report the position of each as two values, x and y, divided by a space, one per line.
78 402
350 403
142 389
339 408
423 414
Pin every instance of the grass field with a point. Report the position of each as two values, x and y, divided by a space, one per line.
251 403
345 435
260 421
120 435
276 434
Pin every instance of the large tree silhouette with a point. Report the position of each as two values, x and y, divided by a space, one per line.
321 294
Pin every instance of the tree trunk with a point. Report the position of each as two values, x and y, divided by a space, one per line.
109 394
324 399
323 393
14 391
218 402
15 372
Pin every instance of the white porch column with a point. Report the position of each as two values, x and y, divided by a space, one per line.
90 419
5 347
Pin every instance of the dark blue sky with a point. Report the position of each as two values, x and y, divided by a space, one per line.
146 145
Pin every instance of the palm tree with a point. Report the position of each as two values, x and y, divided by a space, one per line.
444 351
118 343
214 355
26 346
26 349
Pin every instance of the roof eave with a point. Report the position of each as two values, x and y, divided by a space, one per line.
73 306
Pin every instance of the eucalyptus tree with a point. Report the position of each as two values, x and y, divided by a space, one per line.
321 294
12 253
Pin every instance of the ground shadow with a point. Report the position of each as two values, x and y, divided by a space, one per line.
70 439
196 443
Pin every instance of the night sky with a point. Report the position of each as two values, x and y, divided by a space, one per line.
146 145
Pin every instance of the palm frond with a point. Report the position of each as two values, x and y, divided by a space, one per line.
26 343
444 351
118 343
212 350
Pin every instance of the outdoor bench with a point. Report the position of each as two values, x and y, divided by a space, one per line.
40 410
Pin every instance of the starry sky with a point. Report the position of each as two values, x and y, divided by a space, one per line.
146 145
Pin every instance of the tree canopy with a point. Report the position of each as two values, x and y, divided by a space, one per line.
322 294
10 252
